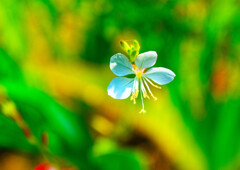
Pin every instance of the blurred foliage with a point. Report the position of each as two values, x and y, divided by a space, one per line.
54 66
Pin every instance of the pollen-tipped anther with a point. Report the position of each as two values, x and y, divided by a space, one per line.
142 111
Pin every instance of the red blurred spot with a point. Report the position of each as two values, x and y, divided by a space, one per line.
48 166
45 166
220 80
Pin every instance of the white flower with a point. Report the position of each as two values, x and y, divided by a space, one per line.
122 87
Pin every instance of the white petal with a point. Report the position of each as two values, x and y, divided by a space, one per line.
146 59
120 87
120 65
160 75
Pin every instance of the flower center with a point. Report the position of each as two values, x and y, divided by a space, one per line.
139 74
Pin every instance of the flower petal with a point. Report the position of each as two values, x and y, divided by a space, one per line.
160 75
120 65
146 59
120 87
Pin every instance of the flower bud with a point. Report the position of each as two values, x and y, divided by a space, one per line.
131 50
136 45
133 56
125 46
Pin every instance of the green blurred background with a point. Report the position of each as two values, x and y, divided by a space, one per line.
54 72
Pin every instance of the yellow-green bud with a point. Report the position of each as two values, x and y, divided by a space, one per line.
136 45
133 56
125 46
131 50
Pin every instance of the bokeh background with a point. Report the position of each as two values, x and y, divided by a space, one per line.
54 72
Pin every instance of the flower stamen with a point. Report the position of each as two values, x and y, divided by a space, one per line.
154 85
149 89
135 91
145 95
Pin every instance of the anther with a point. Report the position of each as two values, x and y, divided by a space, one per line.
142 111
145 95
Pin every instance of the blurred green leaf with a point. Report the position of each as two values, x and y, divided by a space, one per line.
119 160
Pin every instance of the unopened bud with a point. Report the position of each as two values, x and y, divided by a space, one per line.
133 56
132 50
136 45
125 46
